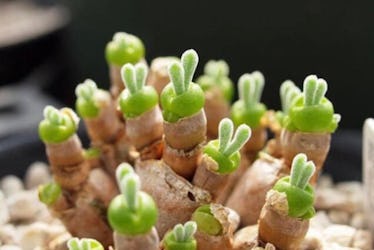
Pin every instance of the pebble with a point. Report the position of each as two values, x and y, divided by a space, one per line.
10 247
37 174
10 185
8 234
4 214
339 234
358 221
23 206
39 234
339 217
320 221
362 240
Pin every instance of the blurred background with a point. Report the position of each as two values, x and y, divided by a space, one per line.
48 46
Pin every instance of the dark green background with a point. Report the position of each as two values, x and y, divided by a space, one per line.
283 39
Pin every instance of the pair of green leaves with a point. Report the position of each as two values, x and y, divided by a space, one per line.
137 98
248 109
181 97
84 244
300 194
225 150
133 212
181 237
216 75
124 48
311 111
57 125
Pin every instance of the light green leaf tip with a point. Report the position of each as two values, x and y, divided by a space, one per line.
301 171
314 90
84 244
184 233
227 144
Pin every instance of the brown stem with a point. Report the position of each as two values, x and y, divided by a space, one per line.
83 216
67 163
186 133
249 194
158 76
216 108
182 162
104 128
276 227
175 197
229 221
66 153
234 178
116 84
255 143
148 241
316 146
102 186
273 146
207 178
145 130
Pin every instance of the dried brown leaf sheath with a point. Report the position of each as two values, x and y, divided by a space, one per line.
117 85
249 194
206 178
186 133
145 129
256 142
315 145
175 197
182 162
216 108
276 227
69 168
83 216
149 241
106 127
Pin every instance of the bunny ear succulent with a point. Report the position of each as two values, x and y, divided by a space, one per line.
225 150
137 98
84 244
248 109
300 194
216 74
181 237
58 125
124 48
181 97
133 212
88 98
288 92
312 111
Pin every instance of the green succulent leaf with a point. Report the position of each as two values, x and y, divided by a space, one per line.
58 125
206 222
300 194
124 48
312 112
49 193
133 212
181 237
84 244
248 109
137 98
88 96
216 75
